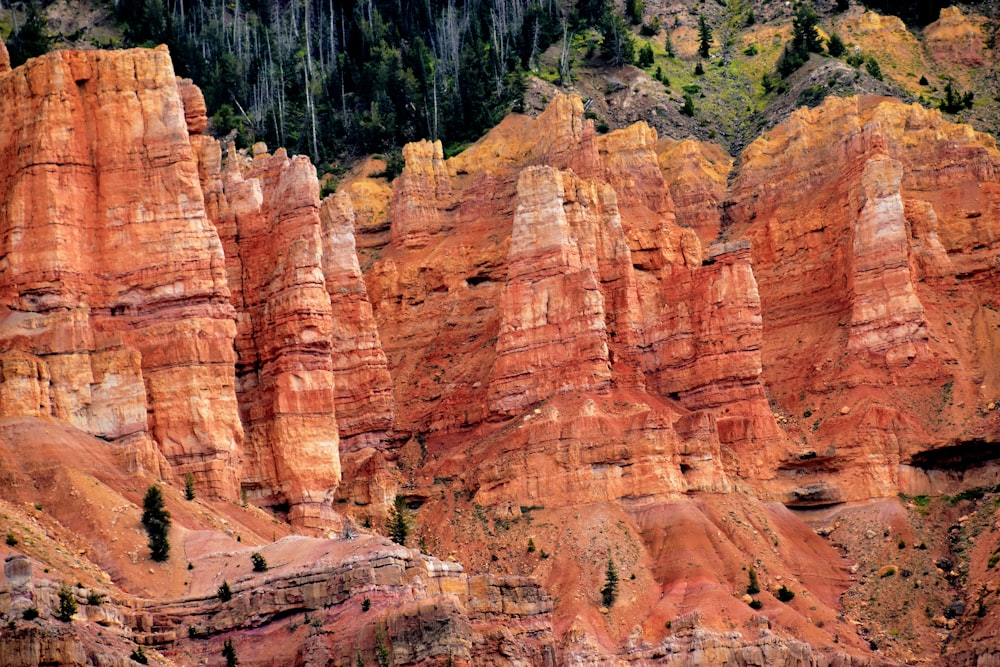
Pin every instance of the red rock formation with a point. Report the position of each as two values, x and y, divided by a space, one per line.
118 347
870 251
552 335
696 174
558 339
362 385
956 39
284 369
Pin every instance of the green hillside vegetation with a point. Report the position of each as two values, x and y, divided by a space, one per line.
340 80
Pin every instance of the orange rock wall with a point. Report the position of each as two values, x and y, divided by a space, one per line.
123 349
197 312
873 252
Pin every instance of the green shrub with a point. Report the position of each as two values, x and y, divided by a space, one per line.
11 540
138 655
651 28
753 587
785 594
189 486
30 614
872 66
225 593
756 604
94 598
366 604
836 46
67 604
259 564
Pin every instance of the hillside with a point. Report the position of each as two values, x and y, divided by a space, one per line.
626 397
371 76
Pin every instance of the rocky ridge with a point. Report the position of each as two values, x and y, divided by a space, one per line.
553 362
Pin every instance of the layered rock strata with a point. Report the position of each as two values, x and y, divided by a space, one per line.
211 328
122 349
873 254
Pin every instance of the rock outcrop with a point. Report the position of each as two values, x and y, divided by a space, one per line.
124 349
422 610
569 348
213 328
362 384
891 227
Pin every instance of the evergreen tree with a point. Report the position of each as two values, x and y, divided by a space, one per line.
398 523
635 9
704 36
156 521
67 604
618 46
754 586
688 108
954 100
229 653
259 562
668 44
31 39
225 593
873 68
189 486
836 46
610 591
805 31
646 55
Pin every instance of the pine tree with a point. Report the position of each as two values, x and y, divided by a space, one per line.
704 36
646 55
259 562
610 591
836 46
668 44
688 108
618 46
189 486
398 523
805 33
225 593
635 9
156 521
229 653
31 39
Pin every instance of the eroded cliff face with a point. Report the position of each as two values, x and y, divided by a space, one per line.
559 348
176 307
888 216
97 172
